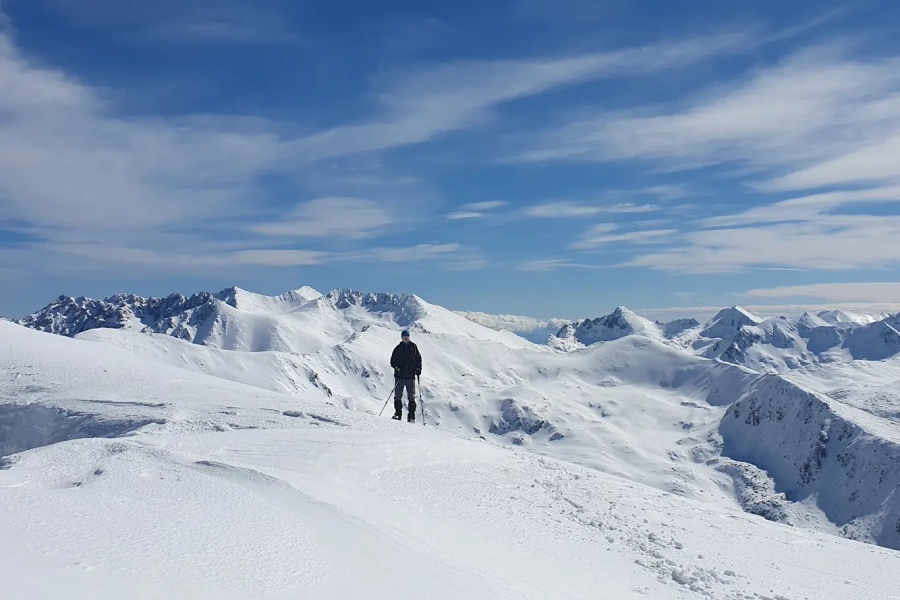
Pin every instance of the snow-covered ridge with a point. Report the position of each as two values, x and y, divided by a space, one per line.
406 308
735 335
618 324
845 460
626 396
299 321
115 460
70 316
677 327
729 321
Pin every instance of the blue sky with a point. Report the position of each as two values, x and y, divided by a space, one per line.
536 157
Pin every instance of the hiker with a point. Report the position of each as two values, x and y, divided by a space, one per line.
407 363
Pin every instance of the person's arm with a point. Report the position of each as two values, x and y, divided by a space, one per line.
395 359
418 361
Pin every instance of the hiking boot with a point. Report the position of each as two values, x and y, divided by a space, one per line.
397 417
411 419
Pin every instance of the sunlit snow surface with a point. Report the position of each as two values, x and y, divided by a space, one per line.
232 491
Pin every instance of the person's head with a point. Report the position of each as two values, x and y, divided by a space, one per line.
404 335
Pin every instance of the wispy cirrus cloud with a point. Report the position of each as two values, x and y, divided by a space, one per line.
459 216
350 218
419 106
412 253
552 264
279 257
823 117
827 243
484 206
875 162
192 258
870 291
601 235
475 210
801 114
77 179
561 210
827 231
807 208
68 163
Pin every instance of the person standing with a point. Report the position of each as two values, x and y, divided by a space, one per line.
407 364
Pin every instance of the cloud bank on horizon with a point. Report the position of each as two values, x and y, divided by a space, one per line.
483 157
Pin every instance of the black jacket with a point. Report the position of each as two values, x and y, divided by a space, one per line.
406 361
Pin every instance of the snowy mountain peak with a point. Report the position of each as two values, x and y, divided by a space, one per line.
70 316
677 327
812 320
728 321
407 308
617 324
843 318
259 303
305 293
875 341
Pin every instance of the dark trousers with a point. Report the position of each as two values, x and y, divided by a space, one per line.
410 385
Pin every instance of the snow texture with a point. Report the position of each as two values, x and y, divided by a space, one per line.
229 490
648 402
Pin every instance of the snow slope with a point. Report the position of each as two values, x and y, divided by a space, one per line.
845 460
589 407
872 386
205 488
634 408
631 402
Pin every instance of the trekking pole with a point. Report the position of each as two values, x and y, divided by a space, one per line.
396 383
421 398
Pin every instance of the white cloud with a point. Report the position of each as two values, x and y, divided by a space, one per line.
515 323
552 264
456 216
803 233
599 236
420 106
480 206
559 210
666 191
279 258
91 256
870 292
805 208
469 264
874 163
413 253
68 163
826 243
555 210
802 114
628 207
351 218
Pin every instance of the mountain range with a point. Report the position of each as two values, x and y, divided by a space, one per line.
734 411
